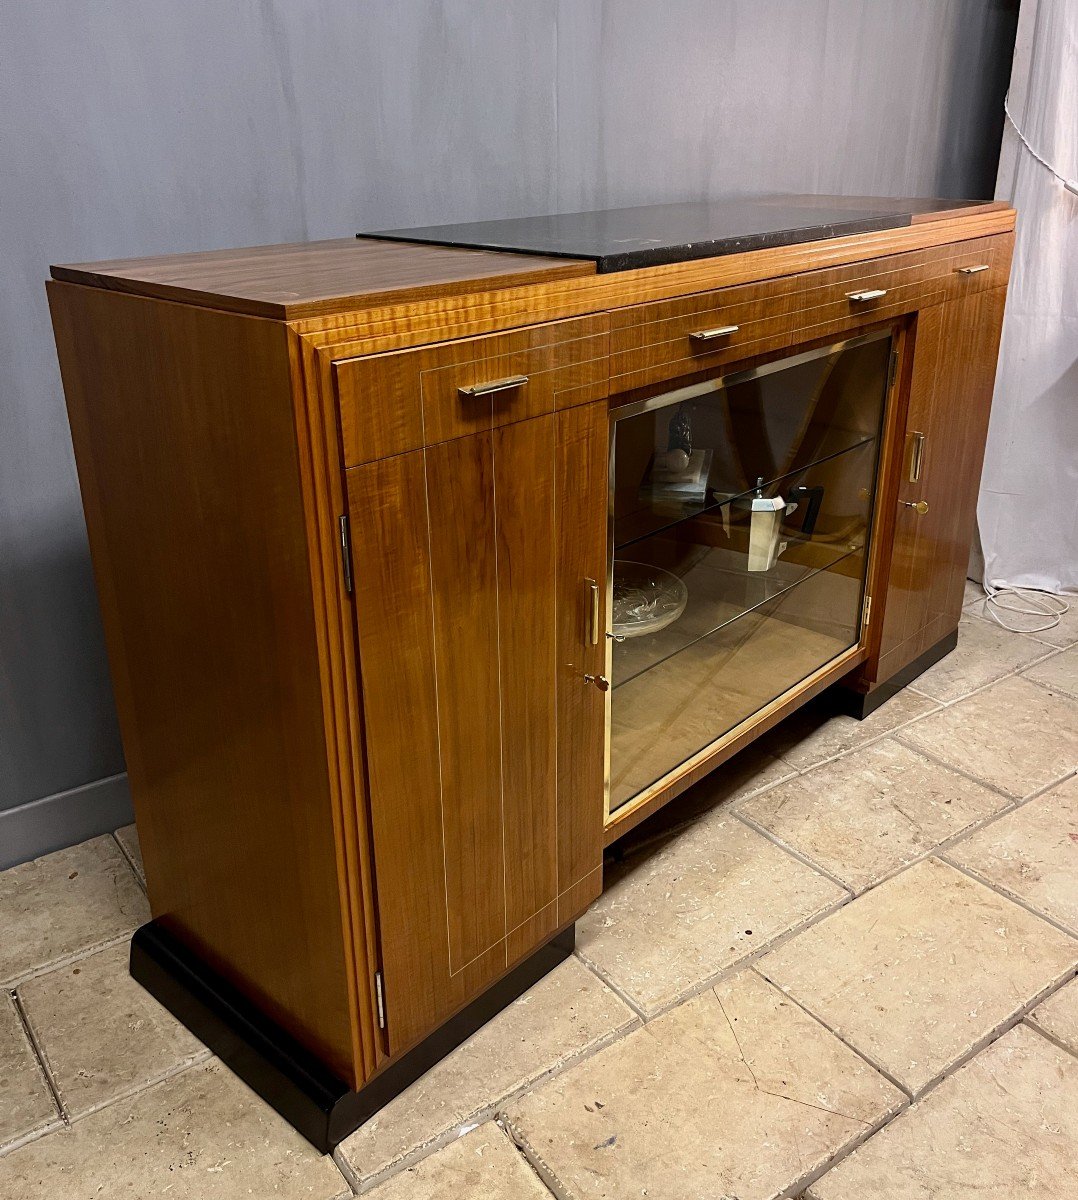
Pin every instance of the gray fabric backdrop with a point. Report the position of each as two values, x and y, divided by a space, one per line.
135 127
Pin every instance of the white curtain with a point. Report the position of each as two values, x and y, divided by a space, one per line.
1028 508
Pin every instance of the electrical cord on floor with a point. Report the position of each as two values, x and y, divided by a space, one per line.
1025 602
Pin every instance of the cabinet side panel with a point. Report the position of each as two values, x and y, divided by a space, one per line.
183 428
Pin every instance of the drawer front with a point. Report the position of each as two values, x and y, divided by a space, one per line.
650 343
400 401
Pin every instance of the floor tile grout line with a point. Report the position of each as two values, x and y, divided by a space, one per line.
546 1173
53 1125
17 981
41 1057
936 849
1004 1027
1053 689
1001 891
800 855
484 1113
501 1122
866 1058
1030 1023
831 759
981 687
747 961
1031 634
129 860
136 1089
939 761
948 844
808 1178
726 805
607 981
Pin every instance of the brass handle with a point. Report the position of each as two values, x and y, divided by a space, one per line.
495 385
593 611
917 457
971 270
600 681
871 294
709 335
918 506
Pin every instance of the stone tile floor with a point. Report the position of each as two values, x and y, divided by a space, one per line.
843 968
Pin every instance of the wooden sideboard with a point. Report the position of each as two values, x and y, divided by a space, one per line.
356 602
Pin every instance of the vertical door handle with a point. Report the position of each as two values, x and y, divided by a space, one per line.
592 611
917 456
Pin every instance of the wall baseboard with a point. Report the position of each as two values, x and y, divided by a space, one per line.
64 819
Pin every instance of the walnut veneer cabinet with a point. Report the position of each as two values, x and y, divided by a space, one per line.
354 508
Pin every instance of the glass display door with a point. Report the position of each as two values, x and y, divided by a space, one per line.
740 517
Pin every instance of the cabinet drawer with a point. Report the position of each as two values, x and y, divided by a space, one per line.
650 343
400 401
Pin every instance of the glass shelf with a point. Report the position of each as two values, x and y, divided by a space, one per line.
757 492
649 519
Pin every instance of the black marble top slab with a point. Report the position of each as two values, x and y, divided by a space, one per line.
620 239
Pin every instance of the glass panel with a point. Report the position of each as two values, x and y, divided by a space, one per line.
741 511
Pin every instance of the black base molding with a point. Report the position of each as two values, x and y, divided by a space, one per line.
286 1075
861 705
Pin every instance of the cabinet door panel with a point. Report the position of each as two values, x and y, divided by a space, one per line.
524 507
950 398
485 746
464 596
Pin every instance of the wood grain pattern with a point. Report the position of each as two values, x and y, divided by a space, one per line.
183 427
652 343
392 326
485 786
314 405
581 490
414 784
460 496
950 399
391 547
304 279
527 562
393 403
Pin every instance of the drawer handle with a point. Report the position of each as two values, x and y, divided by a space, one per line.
871 294
709 335
971 270
495 385
917 457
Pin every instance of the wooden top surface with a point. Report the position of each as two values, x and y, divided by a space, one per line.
305 279
319 279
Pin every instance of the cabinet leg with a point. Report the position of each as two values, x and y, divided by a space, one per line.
863 704
271 1062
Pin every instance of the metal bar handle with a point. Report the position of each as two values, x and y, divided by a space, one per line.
709 335
971 270
593 611
871 294
495 385
917 457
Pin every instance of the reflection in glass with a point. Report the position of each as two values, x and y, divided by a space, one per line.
756 492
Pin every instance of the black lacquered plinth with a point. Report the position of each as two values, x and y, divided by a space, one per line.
271 1062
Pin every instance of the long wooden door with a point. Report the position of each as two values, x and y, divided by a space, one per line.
957 344
485 745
